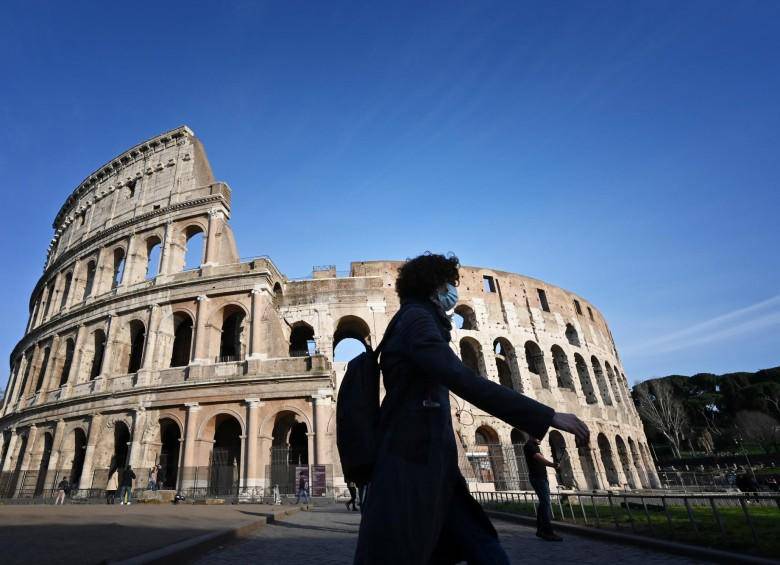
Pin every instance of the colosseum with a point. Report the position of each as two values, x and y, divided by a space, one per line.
151 341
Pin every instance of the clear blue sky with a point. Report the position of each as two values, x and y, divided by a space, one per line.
627 151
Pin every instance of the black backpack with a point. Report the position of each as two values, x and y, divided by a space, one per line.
357 413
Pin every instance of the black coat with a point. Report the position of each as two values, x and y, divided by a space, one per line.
128 476
416 476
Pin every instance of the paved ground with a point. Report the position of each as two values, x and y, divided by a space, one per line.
88 534
327 535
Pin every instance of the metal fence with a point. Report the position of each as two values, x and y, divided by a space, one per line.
654 514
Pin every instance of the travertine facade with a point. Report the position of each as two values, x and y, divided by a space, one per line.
150 340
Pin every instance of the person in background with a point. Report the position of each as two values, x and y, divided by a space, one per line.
152 482
303 489
537 475
112 487
126 486
352 494
63 489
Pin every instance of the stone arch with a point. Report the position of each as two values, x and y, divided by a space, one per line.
518 439
70 349
97 352
266 426
228 333
89 282
613 384
465 318
608 460
278 295
603 387
16 473
588 466
136 331
289 448
153 255
352 328
572 336
225 457
170 430
79 443
181 347
66 287
489 467
506 364
206 427
118 266
471 355
560 455
42 369
43 467
584 376
637 461
302 341
562 369
647 457
190 247
534 359
625 462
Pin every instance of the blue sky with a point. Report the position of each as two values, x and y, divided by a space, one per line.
627 151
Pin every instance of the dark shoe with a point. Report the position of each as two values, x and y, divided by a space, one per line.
549 536
347 503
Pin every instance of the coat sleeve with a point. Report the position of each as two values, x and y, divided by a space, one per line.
431 354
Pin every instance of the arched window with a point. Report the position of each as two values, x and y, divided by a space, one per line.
302 340
471 355
153 248
91 269
43 468
608 460
99 347
66 290
464 318
137 338
534 358
612 382
602 382
625 462
26 375
564 474
70 347
231 342
193 247
79 444
225 472
289 448
170 438
562 370
42 370
119 267
506 363
571 335
278 295
351 337
584 376
182 340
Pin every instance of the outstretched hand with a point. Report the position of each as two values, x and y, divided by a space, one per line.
572 424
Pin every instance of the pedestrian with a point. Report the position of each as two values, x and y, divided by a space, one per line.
352 487
303 489
417 507
537 474
126 486
151 484
112 486
277 495
63 489
160 477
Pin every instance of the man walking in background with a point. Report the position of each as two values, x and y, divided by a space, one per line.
537 475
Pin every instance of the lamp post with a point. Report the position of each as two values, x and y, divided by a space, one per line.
738 441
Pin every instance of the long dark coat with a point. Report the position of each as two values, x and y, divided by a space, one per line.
416 477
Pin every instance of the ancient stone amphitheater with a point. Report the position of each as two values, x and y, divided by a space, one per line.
150 341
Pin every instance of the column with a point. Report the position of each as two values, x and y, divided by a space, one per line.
187 473
260 301
9 454
322 405
75 285
85 481
150 347
311 448
134 455
253 427
215 226
165 251
264 462
47 376
131 263
59 435
75 363
200 350
9 389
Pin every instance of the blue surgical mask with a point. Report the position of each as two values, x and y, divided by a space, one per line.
449 298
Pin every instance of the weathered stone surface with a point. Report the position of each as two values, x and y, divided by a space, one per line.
133 356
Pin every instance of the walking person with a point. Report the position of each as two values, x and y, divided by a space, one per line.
126 486
303 489
417 508
112 486
63 489
352 487
537 475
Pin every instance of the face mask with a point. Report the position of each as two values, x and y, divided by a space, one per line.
449 298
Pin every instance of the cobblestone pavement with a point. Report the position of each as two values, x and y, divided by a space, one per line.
328 535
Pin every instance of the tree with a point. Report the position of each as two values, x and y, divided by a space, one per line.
660 409
758 427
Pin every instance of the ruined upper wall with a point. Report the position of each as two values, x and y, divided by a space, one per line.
165 170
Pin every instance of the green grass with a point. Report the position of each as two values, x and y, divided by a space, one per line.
678 527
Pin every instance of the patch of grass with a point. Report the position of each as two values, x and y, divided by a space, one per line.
736 535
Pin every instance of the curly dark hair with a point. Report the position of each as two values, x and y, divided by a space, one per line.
421 276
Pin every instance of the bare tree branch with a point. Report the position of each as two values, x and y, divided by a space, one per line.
661 410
